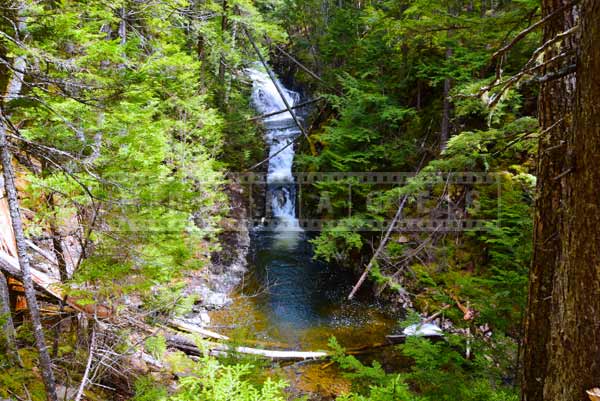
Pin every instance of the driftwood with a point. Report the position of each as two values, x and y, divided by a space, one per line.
186 342
278 355
190 328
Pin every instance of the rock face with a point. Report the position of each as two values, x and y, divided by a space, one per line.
227 266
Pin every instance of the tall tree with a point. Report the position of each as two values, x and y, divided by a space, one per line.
562 341
38 330
555 102
13 91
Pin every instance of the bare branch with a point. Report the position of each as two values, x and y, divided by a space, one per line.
527 31
88 365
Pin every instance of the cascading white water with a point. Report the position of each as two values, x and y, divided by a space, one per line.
281 129
298 293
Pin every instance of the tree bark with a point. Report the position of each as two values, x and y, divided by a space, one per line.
574 342
57 245
561 350
555 102
38 331
13 91
123 26
221 77
445 128
8 328
446 104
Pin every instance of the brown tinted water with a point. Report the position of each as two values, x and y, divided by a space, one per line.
290 301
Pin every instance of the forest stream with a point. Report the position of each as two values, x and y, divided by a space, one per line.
415 213
289 300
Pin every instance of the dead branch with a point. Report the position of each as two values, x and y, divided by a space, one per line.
383 242
531 28
297 106
272 76
528 68
88 365
299 64
287 145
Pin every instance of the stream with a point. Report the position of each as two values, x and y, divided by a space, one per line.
289 300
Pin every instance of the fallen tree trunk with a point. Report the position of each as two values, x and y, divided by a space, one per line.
278 355
188 346
44 282
190 328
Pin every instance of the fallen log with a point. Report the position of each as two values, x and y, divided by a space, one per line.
44 282
10 265
281 355
190 328
189 346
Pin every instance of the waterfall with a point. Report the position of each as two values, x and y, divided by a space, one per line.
280 130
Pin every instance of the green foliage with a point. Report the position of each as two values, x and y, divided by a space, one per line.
213 381
370 130
439 372
147 390
14 378
338 242
168 302
156 346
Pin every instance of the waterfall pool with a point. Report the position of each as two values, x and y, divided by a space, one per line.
289 300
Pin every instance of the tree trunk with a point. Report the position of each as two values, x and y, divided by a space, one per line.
123 26
8 328
445 128
555 102
561 356
13 91
222 84
38 331
57 246
574 360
